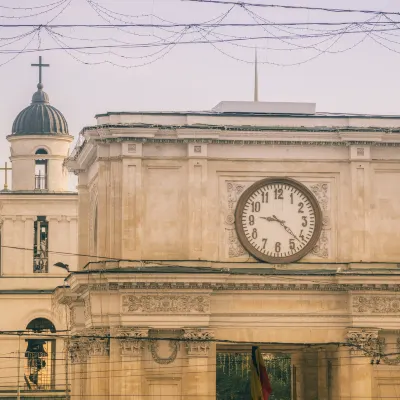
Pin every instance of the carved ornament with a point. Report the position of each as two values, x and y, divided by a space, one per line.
174 347
131 340
78 349
234 190
167 303
376 304
365 342
197 341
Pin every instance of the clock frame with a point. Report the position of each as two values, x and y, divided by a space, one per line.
303 190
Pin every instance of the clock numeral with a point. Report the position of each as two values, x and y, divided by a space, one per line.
292 244
291 198
301 205
305 222
301 236
255 206
278 247
264 197
264 243
251 219
254 234
278 194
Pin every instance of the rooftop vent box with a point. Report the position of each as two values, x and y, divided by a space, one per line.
264 107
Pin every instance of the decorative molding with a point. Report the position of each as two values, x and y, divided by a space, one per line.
174 347
234 190
365 342
130 340
87 310
198 341
321 249
232 286
167 303
376 304
321 192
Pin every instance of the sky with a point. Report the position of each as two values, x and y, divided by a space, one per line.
195 76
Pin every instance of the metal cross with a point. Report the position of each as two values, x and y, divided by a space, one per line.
5 169
40 65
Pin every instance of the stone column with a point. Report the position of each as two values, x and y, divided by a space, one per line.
365 345
131 344
323 383
199 375
297 376
78 352
98 368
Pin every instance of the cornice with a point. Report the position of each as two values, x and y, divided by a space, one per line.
210 287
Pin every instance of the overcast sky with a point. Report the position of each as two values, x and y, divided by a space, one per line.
197 76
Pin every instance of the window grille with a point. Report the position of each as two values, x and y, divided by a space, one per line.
41 245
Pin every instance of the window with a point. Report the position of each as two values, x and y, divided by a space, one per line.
40 245
39 368
41 171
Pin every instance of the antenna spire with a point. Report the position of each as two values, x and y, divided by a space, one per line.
255 76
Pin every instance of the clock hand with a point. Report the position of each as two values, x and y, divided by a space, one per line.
288 230
281 222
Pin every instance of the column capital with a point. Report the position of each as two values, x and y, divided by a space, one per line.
197 341
364 341
78 350
131 340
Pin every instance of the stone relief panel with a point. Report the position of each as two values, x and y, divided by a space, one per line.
232 189
376 304
166 303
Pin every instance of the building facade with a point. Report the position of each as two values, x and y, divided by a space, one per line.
172 247
38 216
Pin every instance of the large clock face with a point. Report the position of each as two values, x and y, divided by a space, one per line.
278 220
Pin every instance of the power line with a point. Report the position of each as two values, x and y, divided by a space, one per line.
334 10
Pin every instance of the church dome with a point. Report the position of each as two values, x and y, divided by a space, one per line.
40 118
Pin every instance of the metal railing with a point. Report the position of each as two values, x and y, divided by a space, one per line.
40 181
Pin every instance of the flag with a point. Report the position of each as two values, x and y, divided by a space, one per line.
259 381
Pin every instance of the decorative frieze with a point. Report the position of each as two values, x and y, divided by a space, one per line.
376 304
167 303
244 286
365 342
197 341
131 340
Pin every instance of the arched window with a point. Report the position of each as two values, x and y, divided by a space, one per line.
41 151
40 357
41 324
41 170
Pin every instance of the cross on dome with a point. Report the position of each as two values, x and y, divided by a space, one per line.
40 65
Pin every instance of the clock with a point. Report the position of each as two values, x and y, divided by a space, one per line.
278 220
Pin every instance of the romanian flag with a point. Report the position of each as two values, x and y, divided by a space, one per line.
259 381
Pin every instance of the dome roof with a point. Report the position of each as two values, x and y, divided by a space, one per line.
40 118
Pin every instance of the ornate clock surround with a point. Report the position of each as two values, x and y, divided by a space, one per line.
240 230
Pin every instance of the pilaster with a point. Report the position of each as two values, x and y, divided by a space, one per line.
131 345
365 345
199 374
